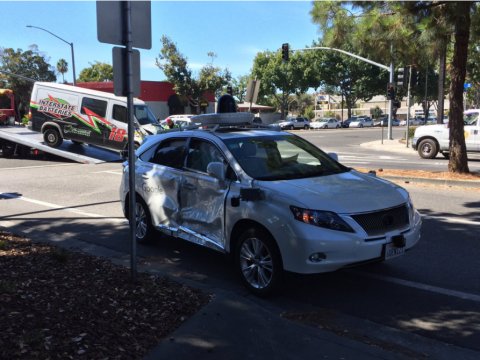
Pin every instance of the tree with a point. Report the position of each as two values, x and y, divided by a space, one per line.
398 25
175 67
20 69
280 79
239 87
62 68
97 72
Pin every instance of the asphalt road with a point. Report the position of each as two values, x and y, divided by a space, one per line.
432 291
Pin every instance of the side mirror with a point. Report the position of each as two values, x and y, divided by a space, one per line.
334 156
217 170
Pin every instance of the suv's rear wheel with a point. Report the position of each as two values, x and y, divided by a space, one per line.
258 262
52 137
428 149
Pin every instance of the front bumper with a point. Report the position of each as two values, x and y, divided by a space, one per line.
341 249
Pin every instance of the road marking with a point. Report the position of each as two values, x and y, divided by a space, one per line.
435 289
13 196
36 166
108 172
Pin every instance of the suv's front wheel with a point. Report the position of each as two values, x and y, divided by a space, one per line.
258 262
144 231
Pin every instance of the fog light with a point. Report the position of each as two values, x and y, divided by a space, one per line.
317 257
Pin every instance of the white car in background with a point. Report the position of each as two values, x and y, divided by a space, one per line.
361 123
326 123
179 121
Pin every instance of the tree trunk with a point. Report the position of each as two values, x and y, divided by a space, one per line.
458 152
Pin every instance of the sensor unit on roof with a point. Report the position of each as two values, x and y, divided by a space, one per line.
224 119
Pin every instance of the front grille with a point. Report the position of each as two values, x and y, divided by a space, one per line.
379 222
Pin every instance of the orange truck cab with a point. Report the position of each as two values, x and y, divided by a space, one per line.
8 115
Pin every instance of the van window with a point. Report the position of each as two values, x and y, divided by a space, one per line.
119 113
99 107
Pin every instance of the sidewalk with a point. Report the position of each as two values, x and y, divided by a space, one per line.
390 145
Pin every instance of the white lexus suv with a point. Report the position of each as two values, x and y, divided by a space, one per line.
269 198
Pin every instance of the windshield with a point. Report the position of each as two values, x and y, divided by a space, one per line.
282 157
144 115
470 119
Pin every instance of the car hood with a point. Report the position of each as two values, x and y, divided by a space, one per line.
349 192
152 128
431 129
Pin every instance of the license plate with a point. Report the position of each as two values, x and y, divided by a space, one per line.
390 251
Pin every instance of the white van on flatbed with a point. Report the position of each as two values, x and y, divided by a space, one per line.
87 116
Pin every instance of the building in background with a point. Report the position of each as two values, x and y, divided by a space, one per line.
161 98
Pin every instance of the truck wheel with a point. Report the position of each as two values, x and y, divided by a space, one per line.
8 149
428 149
52 137
258 262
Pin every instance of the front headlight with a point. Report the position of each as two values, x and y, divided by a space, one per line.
325 219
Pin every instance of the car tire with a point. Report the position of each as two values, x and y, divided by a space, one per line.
290 127
144 231
258 262
428 149
360 126
337 127
52 137
306 127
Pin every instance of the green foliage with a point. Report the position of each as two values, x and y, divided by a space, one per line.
62 68
376 112
239 87
309 112
175 67
281 79
20 69
96 72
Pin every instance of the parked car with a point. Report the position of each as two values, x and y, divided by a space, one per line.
361 122
326 123
294 123
346 123
269 198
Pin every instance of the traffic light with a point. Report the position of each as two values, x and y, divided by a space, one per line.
402 76
390 92
414 78
285 50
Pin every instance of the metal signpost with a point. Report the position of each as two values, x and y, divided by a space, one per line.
127 23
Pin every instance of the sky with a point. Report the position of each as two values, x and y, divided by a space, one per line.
234 30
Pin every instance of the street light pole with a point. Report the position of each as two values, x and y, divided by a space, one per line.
65 41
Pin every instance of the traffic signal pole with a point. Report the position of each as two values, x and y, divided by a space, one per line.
385 67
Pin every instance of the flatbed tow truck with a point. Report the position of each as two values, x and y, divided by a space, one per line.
21 141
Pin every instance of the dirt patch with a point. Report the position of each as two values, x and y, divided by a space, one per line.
56 304
439 175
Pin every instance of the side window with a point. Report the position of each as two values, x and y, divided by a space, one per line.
119 113
201 153
99 107
170 152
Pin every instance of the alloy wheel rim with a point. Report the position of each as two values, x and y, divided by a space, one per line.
256 263
141 221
